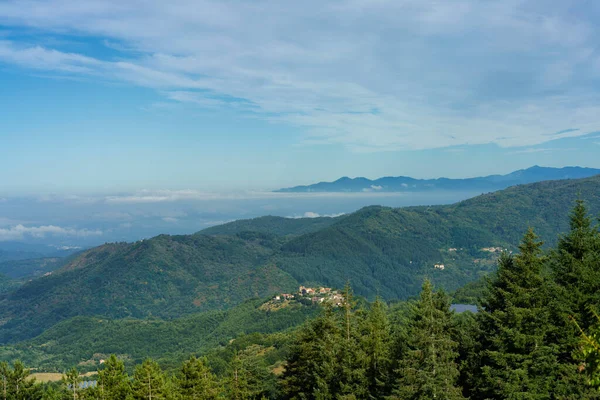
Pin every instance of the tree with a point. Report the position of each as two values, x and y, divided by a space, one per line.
312 364
148 381
516 358
4 375
351 377
249 375
196 381
428 369
19 385
72 380
113 382
575 267
589 351
377 343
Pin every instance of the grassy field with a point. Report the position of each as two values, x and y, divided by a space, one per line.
44 377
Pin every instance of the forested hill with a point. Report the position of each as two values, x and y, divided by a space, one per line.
272 225
380 250
389 251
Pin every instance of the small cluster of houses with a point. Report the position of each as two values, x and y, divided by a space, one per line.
316 295
439 266
493 249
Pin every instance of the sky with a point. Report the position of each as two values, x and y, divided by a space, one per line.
107 97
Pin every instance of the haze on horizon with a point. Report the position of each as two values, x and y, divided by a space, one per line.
104 98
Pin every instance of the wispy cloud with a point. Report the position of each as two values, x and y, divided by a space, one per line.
18 232
368 75
541 150
168 196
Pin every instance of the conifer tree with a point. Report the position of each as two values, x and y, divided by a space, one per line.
589 351
352 366
428 369
312 365
240 381
72 380
516 359
575 266
196 381
148 381
377 343
19 385
4 376
113 382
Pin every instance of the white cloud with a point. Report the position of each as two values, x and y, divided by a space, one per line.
369 75
312 214
170 219
18 232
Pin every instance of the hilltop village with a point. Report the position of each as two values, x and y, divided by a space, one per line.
307 296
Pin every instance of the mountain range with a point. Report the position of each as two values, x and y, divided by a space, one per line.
407 184
380 250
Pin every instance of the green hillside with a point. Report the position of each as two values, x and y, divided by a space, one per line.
273 225
380 250
84 341
167 276
389 251
24 269
7 284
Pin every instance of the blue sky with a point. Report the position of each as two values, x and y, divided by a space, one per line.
106 96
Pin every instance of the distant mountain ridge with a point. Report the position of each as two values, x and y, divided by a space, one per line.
408 184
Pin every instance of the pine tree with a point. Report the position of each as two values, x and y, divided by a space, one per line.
352 367
4 375
575 266
516 358
148 381
19 384
313 362
72 380
196 381
589 351
240 386
377 343
428 369
113 382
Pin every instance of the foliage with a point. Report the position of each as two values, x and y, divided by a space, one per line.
196 380
149 382
89 339
30 268
516 359
382 251
113 382
271 225
428 369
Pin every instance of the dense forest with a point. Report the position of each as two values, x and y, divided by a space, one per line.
535 336
382 251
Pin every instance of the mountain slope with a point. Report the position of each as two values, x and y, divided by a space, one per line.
166 276
389 251
380 250
29 268
272 225
407 184
88 339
